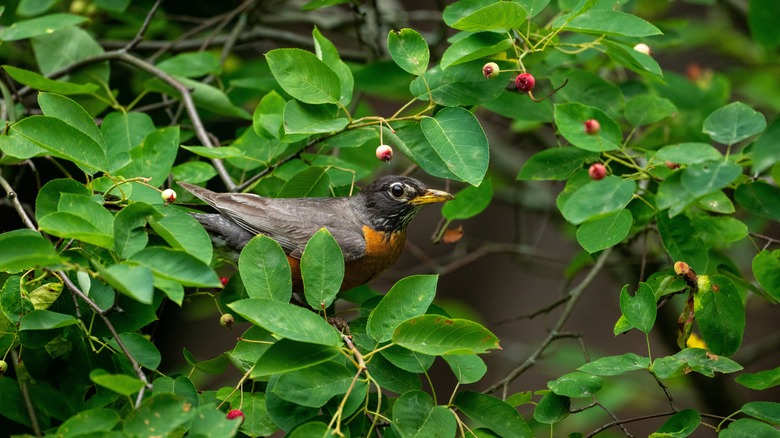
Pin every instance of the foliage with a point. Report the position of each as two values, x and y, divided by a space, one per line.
107 102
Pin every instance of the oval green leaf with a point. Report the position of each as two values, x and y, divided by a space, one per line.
264 269
409 297
733 123
287 320
304 76
570 119
437 335
598 234
576 385
322 269
457 137
409 50
597 198
493 413
25 249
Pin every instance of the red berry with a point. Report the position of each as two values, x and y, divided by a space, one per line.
525 82
235 413
592 127
223 280
597 171
490 70
227 320
384 153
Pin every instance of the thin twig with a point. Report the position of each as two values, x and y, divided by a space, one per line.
17 205
574 296
36 427
144 27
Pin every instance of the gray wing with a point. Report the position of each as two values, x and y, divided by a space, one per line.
291 221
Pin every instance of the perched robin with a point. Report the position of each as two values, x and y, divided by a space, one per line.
370 227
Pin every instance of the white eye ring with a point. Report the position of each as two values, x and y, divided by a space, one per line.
397 190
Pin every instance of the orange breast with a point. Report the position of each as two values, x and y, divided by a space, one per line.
382 250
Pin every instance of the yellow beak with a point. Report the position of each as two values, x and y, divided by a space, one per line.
431 197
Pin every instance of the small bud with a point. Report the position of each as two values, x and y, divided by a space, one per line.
597 171
235 413
3 367
525 82
643 48
592 126
490 70
384 153
672 166
227 320
168 196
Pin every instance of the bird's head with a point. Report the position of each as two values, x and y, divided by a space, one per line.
392 201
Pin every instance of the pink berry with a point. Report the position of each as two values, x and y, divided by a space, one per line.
592 127
223 280
168 195
672 166
525 82
597 171
235 413
643 48
384 153
490 70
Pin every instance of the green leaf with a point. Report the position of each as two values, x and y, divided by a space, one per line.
72 113
391 377
123 132
88 422
287 320
760 380
492 413
679 425
705 178
719 229
312 429
193 172
39 26
268 118
154 156
408 360
142 349
469 202
688 153
759 198
46 320
301 118
130 228
26 249
322 269
552 408
177 265
570 119
315 385
576 385
411 141
137 282
598 234
42 83
468 368
31 8
720 315
63 140
409 50
693 359
287 355
681 242
748 428
459 140
191 65
182 231
475 46
518 106
556 164
763 16
634 60
264 269
310 182
766 269
257 422
222 152
616 365
597 198
639 310
733 123
302 75
763 410
589 89
210 422
497 16
414 414
607 22
329 54
158 415
646 109
409 297
437 335
79 217
459 85
766 151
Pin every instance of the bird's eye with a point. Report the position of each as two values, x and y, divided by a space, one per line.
397 190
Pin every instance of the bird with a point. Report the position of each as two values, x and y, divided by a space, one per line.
370 227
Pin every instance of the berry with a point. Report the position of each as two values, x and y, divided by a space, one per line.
224 281
490 70
597 171
168 195
384 153
227 320
592 126
525 82
3 367
672 166
235 413
642 48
